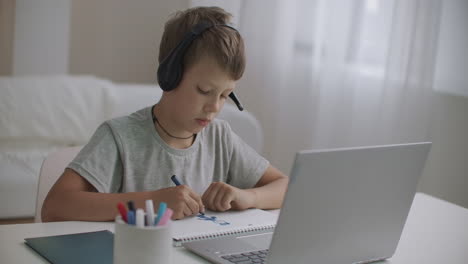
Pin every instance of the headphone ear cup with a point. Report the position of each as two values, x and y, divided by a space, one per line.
170 70
169 75
163 83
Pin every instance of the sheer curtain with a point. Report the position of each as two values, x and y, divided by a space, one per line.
330 73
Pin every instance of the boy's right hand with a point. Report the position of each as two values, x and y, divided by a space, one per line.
182 200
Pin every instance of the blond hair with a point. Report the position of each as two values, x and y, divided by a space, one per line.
223 44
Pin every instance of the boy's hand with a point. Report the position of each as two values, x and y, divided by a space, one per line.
182 200
221 196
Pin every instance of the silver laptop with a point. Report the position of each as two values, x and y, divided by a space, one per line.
342 206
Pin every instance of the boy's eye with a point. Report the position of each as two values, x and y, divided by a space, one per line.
202 91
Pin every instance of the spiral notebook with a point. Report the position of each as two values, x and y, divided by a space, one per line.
220 224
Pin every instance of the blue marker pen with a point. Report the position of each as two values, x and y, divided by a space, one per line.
131 217
131 214
175 180
177 183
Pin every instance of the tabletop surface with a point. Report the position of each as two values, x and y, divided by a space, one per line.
436 231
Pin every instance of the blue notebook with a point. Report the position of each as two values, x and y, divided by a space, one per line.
89 248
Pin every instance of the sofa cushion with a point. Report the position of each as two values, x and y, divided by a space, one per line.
56 109
132 97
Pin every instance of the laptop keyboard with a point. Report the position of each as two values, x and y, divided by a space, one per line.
248 257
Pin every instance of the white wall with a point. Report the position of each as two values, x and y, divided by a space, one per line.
446 173
41 37
119 39
7 21
452 56
233 7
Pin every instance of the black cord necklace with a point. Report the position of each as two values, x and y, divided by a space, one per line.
155 120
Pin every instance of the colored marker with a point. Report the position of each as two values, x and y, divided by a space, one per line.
131 217
131 206
175 180
122 211
161 211
140 218
166 217
177 183
149 212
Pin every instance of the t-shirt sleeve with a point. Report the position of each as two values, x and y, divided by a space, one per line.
99 161
246 166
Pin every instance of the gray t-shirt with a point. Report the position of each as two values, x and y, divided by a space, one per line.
126 154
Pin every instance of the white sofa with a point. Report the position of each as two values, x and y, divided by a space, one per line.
39 114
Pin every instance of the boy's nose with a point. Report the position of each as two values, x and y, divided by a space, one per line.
213 106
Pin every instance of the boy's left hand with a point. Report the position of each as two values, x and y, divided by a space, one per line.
221 196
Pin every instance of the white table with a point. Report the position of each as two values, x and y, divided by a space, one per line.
436 232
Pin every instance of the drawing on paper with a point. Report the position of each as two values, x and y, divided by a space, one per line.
213 219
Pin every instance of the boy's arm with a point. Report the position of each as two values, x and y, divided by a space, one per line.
268 193
74 198
270 189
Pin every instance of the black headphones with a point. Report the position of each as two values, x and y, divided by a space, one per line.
171 69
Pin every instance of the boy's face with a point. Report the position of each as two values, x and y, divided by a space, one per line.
200 95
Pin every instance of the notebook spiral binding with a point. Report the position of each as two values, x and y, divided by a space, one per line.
179 242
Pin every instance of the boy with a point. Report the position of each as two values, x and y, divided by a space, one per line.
133 157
